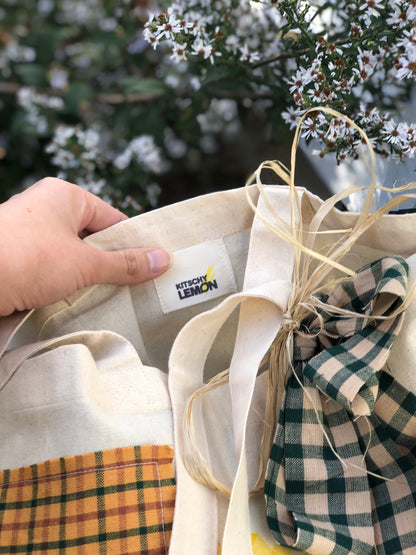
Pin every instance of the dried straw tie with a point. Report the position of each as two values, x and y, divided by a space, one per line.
313 271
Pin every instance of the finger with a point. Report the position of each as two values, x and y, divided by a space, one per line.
127 266
98 215
88 212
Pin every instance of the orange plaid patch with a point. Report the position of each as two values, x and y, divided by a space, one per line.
118 501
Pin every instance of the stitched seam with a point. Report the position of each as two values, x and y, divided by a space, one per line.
78 472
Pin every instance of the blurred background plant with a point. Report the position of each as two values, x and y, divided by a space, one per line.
143 103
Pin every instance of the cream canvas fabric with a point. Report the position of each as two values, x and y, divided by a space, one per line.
91 372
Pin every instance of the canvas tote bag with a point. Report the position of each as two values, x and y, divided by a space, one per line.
111 369
89 375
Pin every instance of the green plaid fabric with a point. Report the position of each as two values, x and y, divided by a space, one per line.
316 502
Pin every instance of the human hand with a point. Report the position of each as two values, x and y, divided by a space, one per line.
42 256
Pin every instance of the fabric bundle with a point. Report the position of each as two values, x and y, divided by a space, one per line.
342 473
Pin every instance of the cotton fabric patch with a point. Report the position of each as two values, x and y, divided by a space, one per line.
316 502
115 501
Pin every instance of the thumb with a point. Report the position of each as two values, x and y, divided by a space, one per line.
126 266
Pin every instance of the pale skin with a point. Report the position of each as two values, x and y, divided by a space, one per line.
42 256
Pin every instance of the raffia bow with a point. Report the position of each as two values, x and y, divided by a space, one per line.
313 271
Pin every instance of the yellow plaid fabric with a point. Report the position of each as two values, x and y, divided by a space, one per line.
116 501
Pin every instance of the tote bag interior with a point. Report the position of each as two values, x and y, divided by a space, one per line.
90 372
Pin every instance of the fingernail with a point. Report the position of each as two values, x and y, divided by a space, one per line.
159 260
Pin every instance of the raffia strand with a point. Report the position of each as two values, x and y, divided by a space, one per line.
308 279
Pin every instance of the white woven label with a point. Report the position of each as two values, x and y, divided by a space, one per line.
198 274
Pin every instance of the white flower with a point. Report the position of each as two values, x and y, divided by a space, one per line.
248 56
225 108
195 83
89 139
204 50
129 201
75 148
175 147
307 10
232 42
359 142
169 28
298 80
123 160
108 24
58 78
371 8
152 38
18 53
407 69
391 131
409 40
44 7
40 123
366 62
409 144
91 183
80 12
220 114
34 105
201 49
208 144
401 17
367 115
411 11
172 80
292 116
153 191
343 85
178 52
14 52
144 151
410 149
310 129
25 96
62 134
55 103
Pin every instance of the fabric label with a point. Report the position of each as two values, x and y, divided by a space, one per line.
198 274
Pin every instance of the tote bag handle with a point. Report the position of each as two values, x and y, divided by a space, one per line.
9 326
267 287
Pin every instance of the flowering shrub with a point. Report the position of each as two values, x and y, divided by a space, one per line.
118 95
356 57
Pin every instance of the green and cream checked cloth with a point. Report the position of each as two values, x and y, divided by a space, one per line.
364 500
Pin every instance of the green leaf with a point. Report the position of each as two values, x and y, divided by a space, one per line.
46 44
218 73
31 74
77 93
149 85
18 123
